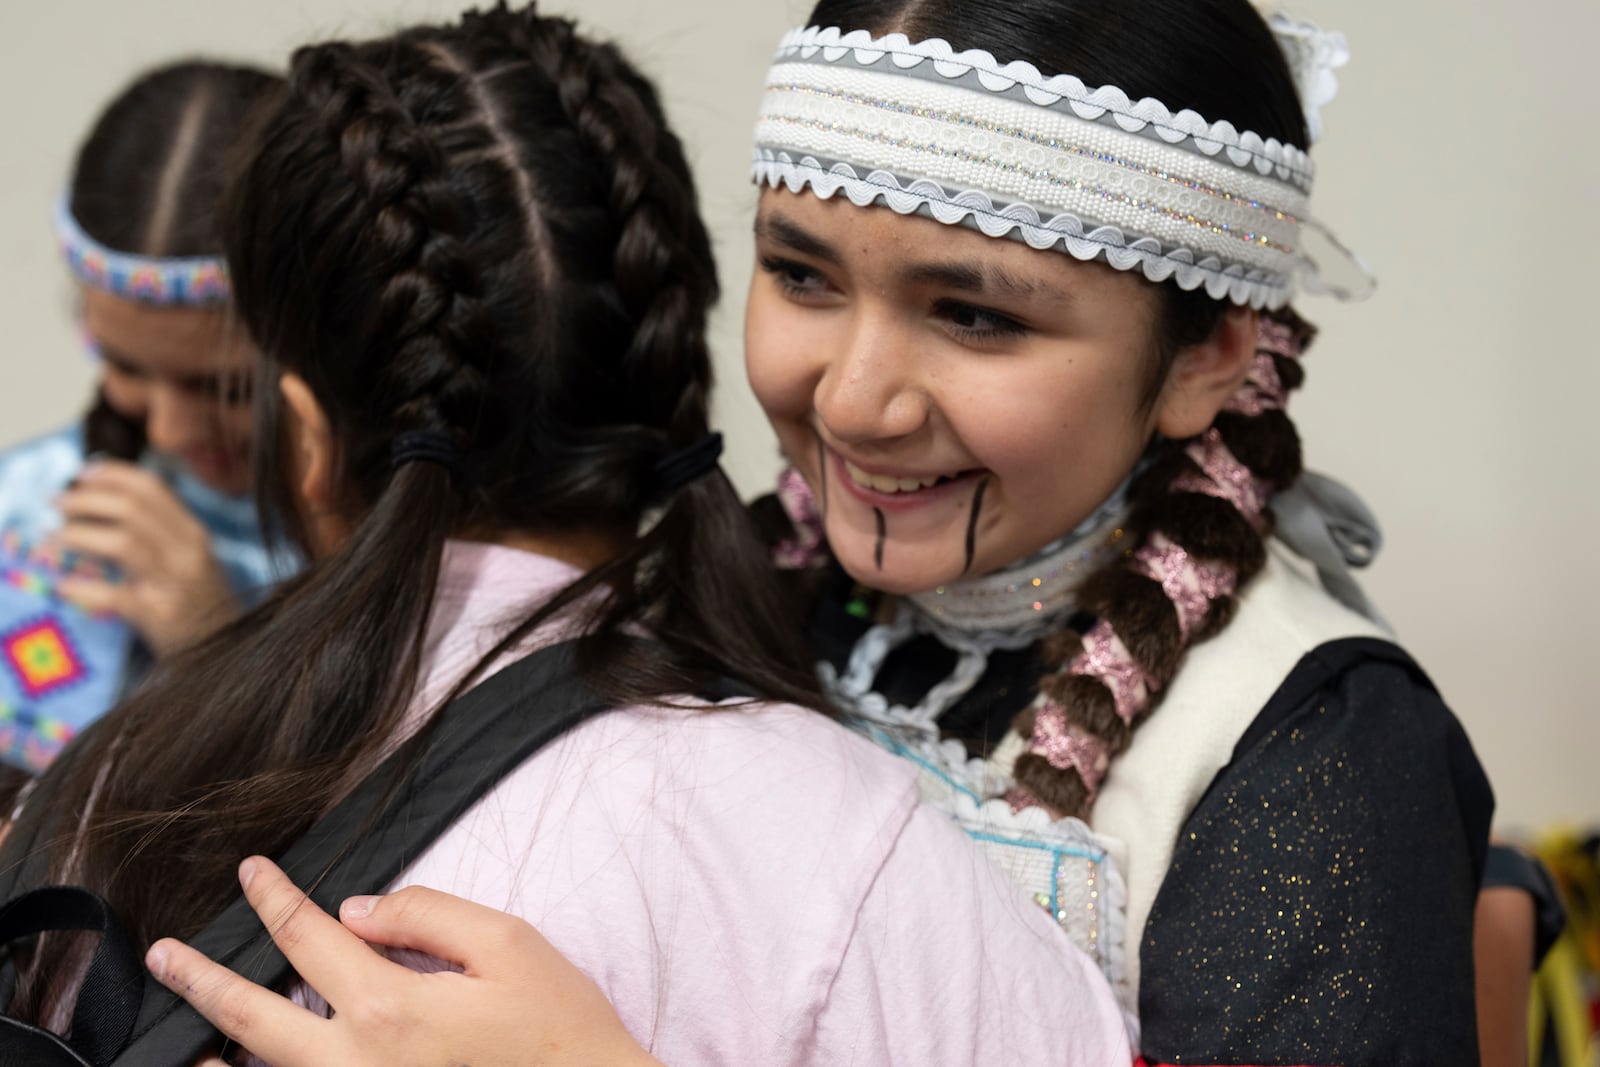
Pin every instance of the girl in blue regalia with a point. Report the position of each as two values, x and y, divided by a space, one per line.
130 533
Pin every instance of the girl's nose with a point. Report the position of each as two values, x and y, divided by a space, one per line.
871 390
174 419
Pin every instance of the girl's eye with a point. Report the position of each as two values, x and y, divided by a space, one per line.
976 323
233 390
234 393
237 394
793 278
119 366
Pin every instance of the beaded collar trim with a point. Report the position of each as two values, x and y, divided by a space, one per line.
1002 148
195 281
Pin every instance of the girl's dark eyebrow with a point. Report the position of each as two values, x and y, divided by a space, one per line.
973 278
780 229
200 382
116 358
186 381
981 279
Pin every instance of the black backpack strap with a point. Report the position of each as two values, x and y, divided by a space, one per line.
108 1000
476 740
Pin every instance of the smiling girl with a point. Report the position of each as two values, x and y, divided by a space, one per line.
1021 323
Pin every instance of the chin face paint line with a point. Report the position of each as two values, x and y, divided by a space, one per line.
972 524
822 475
883 535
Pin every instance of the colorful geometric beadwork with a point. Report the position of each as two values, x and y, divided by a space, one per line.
60 667
29 740
37 568
41 655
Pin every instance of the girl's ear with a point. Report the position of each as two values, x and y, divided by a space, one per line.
311 464
1205 375
310 443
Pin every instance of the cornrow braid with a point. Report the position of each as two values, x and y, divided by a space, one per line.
663 276
1199 521
663 268
430 334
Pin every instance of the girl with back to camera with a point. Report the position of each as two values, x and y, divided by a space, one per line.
156 537
1021 323
470 255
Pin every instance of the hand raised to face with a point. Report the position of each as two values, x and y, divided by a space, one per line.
173 590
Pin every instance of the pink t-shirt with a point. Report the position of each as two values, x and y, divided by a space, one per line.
754 886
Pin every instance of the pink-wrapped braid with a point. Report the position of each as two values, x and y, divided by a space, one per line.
1107 660
808 546
1222 475
1069 746
1065 739
1191 584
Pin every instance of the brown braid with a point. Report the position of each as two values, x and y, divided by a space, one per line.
1137 608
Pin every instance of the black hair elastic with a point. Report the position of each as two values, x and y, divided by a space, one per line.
427 446
674 471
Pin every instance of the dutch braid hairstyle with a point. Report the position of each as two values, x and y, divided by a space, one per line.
482 233
1199 516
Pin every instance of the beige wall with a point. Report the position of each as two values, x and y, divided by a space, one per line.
1460 159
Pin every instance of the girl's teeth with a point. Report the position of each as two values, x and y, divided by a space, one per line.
884 483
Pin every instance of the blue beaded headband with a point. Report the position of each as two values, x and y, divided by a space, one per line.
194 281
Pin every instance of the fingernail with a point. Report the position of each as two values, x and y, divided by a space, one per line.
247 871
156 961
357 907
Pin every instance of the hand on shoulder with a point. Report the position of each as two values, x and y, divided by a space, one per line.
516 1002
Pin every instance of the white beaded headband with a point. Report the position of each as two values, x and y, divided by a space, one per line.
1002 148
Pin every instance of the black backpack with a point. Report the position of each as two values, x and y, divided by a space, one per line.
124 1018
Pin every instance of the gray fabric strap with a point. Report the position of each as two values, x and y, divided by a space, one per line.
1327 524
